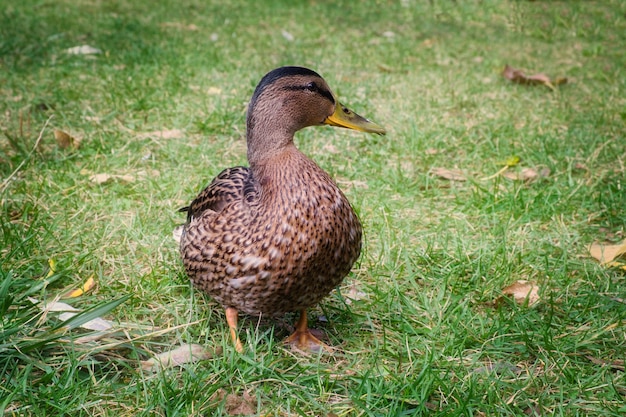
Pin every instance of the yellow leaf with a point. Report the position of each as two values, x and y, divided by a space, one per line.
511 161
53 267
88 285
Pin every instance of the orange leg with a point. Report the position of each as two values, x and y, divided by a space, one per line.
302 337
231 319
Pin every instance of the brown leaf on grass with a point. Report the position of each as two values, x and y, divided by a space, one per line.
523 291
104 178
152 173
448 174
616 364
519 77
610 255
65 140
83 50
162 134
525 174
179 356
136 176
214 91
354 294
236 405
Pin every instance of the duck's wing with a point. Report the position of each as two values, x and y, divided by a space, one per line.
227 187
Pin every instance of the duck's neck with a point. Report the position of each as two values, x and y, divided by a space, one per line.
264 143
282 171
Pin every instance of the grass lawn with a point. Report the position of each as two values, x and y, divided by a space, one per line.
420 326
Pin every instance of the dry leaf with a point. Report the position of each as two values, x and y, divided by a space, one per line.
288 36
544 172
54 306
88 285
177 357
97 324
610 255
100 178
83 50
153 173
234 404
163 134
525 174
518 76
65 140
354 294
104 178
616 364
449 174
522 291
214 91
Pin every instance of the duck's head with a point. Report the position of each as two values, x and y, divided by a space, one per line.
291 98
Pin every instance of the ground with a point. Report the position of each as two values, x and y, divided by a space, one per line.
421 325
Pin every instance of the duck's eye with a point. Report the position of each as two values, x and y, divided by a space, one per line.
311 86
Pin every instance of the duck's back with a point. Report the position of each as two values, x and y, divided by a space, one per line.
273 239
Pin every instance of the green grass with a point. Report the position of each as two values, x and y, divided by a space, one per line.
431 335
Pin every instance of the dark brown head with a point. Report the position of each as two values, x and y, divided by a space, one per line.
288 99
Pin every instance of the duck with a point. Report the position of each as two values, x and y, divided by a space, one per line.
278 235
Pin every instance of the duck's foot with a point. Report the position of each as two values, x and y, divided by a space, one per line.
231 319
302 339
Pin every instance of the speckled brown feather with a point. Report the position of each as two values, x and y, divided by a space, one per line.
281 251
223 190
280 235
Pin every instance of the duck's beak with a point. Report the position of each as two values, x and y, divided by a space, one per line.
344 117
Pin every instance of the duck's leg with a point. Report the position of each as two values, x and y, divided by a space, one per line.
303 339
231 319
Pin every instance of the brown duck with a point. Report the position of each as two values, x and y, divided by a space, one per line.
278 236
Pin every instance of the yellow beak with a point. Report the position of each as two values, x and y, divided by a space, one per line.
344 117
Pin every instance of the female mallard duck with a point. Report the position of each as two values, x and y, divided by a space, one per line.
278 236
